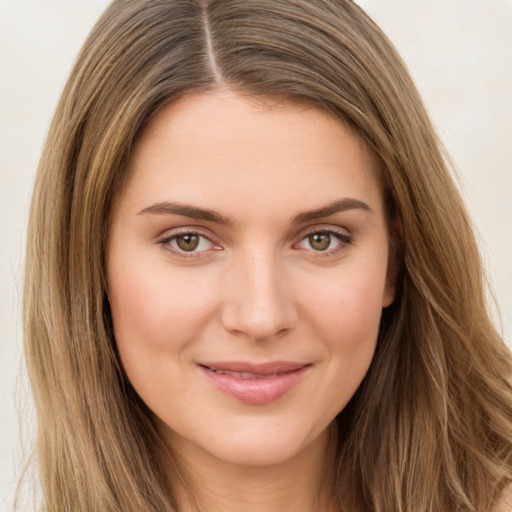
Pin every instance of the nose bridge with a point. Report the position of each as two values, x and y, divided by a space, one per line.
260 303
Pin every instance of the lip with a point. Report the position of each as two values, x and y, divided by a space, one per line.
255 384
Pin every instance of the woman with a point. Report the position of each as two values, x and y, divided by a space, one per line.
251 283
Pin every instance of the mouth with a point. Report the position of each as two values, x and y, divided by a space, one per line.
255 384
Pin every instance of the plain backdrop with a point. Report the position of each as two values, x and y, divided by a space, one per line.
459 52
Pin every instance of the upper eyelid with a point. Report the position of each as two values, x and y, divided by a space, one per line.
172 233
323 229
175 232
164 242
344 237
344 244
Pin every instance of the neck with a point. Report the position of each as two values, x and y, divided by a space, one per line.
207 484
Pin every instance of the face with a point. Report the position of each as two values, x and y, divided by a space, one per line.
247 272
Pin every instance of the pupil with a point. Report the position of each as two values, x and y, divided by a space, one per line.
320 241
187 242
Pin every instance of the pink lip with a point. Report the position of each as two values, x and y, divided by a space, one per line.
255 384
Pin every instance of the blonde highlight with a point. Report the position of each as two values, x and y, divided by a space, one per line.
431 426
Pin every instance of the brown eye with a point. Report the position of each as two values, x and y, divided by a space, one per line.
188 242
328 242
319 241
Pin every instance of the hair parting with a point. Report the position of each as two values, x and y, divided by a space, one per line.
429 429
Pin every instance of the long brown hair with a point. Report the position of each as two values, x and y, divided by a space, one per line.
430 428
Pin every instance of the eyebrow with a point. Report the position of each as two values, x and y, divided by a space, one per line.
185 210
193 212
341 205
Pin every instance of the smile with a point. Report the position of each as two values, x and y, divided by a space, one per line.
245 375
255 384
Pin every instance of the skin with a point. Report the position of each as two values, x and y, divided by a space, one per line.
257 288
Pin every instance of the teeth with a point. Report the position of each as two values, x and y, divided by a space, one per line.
244 375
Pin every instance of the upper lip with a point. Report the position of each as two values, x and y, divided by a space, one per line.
268 368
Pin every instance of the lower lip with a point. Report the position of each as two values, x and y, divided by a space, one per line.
259 391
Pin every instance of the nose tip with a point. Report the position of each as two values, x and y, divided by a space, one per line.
260 305
258 324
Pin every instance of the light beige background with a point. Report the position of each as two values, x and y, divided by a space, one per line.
459 52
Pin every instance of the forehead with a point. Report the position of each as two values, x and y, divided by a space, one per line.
223 148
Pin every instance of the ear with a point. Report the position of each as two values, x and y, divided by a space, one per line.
394 257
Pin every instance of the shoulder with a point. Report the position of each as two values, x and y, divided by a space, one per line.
506 502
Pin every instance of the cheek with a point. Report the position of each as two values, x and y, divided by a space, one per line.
341 312
157 315
345 315
349 304
156 309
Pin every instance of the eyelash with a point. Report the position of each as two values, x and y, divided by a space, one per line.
343 239
165 243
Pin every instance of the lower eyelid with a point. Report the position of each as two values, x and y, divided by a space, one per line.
343 239
165 242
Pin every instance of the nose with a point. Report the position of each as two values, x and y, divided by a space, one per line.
258 299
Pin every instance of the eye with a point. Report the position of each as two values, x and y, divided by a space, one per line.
324 241
188 243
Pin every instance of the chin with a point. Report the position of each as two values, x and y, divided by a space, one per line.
251 442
